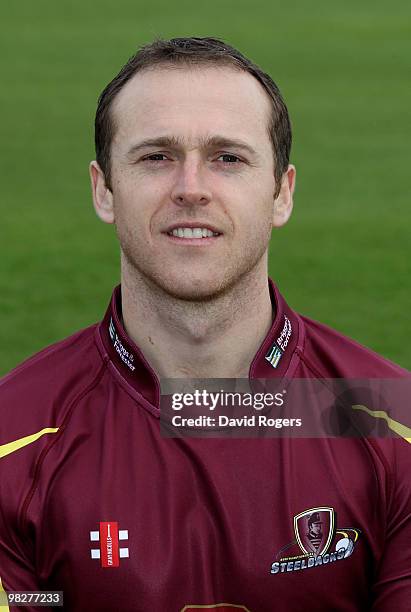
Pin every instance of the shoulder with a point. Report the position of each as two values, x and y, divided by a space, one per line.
333 354
381 406
35 402
37 392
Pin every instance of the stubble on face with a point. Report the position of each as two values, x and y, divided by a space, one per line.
213 284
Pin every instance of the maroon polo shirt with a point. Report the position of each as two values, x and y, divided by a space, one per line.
96 503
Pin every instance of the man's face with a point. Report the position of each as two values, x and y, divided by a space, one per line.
193 213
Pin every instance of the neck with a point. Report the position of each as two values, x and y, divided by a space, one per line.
206 339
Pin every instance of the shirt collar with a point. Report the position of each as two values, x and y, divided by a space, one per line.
274 359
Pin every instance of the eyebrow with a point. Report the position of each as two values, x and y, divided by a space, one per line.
205 143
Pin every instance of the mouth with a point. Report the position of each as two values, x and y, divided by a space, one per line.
192 232
189 234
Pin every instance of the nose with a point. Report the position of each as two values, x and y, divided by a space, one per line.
190 187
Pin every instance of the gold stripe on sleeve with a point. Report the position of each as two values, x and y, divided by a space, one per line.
12 447
396 426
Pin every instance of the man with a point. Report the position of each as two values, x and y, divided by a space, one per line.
192 167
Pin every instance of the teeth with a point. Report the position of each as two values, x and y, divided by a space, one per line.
192 232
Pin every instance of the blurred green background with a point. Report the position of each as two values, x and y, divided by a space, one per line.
344 70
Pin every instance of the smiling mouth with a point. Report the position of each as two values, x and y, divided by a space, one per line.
192 232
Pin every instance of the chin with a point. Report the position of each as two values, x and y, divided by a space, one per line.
192 290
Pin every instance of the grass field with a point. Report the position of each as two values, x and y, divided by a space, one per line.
345 257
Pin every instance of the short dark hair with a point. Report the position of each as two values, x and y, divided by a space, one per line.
191 52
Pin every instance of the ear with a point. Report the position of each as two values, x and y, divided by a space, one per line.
102 196
283 203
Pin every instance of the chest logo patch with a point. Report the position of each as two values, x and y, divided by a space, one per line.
108 538
314 530
319 541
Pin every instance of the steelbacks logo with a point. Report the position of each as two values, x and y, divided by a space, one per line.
318 539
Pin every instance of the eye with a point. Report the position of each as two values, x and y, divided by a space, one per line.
150 157
233 158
